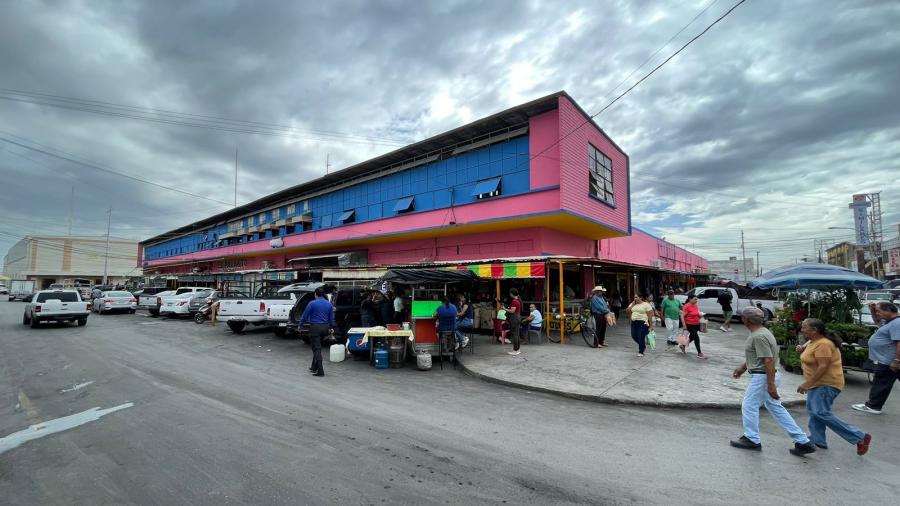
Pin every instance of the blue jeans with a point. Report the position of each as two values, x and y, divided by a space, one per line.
818 404
463 325
639 330
756 396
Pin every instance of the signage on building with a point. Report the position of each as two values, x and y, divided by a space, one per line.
233 265
860 207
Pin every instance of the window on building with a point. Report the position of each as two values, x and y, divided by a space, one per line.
348 216
600 175
405 205
487 188
290 209
326 221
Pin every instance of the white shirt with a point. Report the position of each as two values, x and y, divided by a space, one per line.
537 319
398 304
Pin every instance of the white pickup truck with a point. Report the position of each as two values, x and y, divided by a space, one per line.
279 312
240 312
56 305
709 302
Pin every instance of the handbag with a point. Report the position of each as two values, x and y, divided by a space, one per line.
651 339
683 338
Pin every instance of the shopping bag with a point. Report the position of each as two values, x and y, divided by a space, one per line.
704 325
683 338
651 339
611 319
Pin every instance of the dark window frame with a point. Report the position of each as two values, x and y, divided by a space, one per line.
601 185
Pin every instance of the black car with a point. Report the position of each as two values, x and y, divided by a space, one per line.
346 302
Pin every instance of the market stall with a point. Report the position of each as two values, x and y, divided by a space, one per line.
427 287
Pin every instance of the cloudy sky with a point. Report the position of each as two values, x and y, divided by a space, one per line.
769 122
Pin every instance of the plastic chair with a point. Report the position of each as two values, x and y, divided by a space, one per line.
499 331
447 341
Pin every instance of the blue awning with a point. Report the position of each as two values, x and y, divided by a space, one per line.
348 216
404 204
487 186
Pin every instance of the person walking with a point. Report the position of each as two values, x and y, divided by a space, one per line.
319 314
690 318
671 311
761 351
514 319
884 351
823 380
724 300
641 314
599 308
615 304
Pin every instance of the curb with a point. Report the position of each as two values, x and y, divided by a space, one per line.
603 399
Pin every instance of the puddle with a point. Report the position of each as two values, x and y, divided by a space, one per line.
42 429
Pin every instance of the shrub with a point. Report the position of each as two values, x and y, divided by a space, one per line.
850 333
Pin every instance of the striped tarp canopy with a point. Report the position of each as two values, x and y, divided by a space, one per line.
500 270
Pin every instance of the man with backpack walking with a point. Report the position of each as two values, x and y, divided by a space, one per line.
724 300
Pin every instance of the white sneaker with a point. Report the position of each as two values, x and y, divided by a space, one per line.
514 353
723 329
465 342
866 409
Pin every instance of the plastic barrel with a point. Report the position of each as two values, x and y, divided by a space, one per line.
381 359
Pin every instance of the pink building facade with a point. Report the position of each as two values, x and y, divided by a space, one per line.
539 180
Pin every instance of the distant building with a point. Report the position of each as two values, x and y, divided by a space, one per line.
56 259
733 270
852 256
891 256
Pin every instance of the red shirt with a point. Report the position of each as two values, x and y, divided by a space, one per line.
691 314
516 306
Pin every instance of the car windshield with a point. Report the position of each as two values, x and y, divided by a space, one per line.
61 296
118 294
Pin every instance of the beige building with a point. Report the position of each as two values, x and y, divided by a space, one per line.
55 259
733 269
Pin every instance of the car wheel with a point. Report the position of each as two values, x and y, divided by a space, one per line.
35 323
131 311
236 327
25 320
153 314
199 318
82 322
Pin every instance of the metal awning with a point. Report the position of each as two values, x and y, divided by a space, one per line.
335 274
303 218
348 216
405 204
267 226
318 257
487 187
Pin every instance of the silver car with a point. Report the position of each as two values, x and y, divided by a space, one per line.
115 301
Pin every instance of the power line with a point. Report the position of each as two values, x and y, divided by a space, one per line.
110 171
164 116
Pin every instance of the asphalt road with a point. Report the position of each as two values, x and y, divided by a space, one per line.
219 418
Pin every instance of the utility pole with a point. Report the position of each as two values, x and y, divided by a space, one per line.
327 162
71 209
743 256
758 267
106 257
235 175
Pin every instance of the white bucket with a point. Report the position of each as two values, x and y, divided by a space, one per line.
337 353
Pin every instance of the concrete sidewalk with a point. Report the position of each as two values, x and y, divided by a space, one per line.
664 377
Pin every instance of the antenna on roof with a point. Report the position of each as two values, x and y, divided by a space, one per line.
327 162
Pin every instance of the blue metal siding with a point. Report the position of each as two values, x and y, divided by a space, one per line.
433 185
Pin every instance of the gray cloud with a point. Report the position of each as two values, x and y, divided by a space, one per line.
787 104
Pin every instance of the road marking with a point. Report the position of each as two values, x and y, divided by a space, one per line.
42 429
76 387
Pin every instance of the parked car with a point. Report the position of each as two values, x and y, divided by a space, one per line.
179 304
3 289
346 302
115 301
878 296
147 298
709 302
56 305
238 312
864 316
154 301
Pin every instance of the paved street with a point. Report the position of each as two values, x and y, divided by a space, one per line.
224 419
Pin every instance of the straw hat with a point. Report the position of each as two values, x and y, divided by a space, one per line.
599 288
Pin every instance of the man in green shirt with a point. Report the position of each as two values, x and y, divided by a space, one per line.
671 309
761 353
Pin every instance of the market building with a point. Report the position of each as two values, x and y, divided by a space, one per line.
532 194
72 260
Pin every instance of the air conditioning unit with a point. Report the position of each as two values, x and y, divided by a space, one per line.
277 242
656 263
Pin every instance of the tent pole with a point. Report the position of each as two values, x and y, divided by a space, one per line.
562 307
547 307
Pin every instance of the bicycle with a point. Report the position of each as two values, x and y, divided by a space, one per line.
579 323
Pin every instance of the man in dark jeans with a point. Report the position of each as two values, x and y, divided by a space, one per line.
319 314
599 308
884 351
514 319
724 300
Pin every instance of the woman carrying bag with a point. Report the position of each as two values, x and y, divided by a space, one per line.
823 379
641 314
690 318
